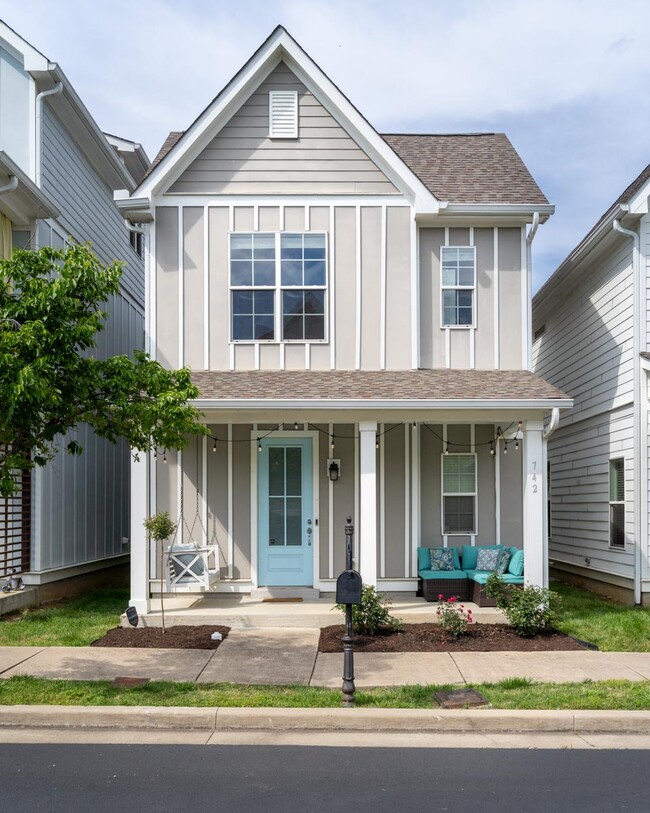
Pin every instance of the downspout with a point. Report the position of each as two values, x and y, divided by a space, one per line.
9 187
529 282
58 88
636 350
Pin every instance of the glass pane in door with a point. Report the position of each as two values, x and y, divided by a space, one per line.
285 496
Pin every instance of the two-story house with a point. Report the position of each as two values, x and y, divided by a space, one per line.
591 322
58 175
355 309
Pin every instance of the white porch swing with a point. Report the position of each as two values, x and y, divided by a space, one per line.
192 567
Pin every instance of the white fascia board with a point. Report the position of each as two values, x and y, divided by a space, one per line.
638 204
281 46
27 201
545 210
383 404
33 60
137 210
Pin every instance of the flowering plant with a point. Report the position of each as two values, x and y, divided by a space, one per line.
454 618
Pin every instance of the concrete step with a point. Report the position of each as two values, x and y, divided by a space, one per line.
284 593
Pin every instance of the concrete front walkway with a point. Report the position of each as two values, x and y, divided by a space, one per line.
289 656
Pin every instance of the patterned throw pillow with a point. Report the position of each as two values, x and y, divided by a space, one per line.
487 559
502 560
442 559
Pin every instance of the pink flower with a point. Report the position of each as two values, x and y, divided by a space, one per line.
440 597
452 599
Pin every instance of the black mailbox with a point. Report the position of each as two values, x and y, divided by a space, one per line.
348 588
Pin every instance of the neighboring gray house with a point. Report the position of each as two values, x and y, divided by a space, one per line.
356 312
58 174
590 323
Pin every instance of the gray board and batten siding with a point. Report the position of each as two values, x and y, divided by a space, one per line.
82 504
399 528
584 346
243 160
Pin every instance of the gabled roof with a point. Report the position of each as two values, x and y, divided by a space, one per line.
281 47
458 168
132 155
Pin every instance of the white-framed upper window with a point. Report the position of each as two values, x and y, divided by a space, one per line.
617 502
459 494
278 286
283 114
458 277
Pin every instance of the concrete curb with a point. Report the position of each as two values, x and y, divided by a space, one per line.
147 718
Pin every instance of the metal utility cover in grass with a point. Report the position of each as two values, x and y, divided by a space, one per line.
127 682
460 699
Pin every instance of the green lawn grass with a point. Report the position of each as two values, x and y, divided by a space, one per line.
515 693
613 627
74 622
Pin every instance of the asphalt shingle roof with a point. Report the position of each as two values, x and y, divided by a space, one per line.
479 385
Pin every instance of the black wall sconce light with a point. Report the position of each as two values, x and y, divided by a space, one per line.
334 469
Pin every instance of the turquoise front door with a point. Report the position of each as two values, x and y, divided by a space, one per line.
285 518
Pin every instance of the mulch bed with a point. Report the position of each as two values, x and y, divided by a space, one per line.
432 638
175 637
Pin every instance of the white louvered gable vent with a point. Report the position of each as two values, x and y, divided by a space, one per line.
283 114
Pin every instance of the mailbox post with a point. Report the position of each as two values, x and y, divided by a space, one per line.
348 592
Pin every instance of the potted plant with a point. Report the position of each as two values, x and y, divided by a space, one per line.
159 528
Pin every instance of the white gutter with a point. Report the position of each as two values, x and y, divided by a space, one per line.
55 91
379 404
553 425
9 187
555 420
636 350
529 287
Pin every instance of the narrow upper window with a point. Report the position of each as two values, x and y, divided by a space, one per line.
617 503
459 494
252 280
458 286
303 286
283 114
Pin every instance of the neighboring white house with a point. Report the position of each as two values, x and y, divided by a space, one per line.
591 339
58 173
341 297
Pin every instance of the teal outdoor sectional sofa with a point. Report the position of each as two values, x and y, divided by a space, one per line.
465 581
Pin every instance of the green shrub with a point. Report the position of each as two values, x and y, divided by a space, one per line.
453 617
372 615
529 609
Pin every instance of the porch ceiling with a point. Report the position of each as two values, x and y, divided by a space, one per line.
385 389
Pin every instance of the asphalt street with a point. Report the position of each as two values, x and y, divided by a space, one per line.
240 779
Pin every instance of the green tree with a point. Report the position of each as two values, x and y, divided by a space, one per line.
50 313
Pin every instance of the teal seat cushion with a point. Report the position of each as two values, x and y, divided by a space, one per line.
481 576
516 564
424 558
442 575
470 554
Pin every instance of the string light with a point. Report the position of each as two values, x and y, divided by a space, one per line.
505 448
165 456
259 445
295 426
377 443
520 426
491 447
446 447
214 448
516 443
413 426
332 443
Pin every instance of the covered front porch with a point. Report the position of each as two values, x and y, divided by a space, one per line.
263 496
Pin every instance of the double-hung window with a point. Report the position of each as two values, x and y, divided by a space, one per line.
617 503
459 494
278 286
458 286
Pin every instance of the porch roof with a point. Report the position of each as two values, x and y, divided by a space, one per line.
389 388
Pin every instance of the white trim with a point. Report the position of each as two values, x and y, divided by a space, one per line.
179 486
382 504
307 355
415 295
231 213
616 456
153 294
206 287
407 498
356 519
330 515
458 287
257 355
204 488
367 522
525 322
281 46
416 518
282 356
153 504
332 292
256 217
307 218
383 288
372 404
253 507
447 347
357 281
281 216
472 337
181 288
397 585
148 342
232 357
497 491
497 327
280 201
230 542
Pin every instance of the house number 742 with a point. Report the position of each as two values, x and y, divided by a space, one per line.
534 477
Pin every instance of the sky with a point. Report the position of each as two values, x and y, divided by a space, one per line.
567 80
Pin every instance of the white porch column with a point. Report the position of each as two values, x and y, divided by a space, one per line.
139 548
367 519
535 563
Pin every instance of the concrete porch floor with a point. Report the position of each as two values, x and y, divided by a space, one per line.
242 612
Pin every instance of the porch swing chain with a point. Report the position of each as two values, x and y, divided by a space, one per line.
181 514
